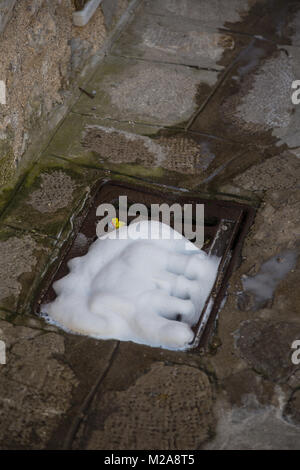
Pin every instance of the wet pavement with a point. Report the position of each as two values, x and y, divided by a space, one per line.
197 97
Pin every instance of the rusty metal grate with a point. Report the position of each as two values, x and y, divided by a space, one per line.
225 225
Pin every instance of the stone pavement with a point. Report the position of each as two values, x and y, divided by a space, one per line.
196 95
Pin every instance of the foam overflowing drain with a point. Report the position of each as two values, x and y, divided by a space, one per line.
129 288
148 285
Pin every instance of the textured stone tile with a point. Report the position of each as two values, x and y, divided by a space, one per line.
35 387
277 21
170 157
24 257
206 11
49 196
145 92
266 346
254 103
164 38
158 411
254 427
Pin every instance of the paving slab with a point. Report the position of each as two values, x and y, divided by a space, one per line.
253 104
24 258
146 403
188 42
210 12
51 194
168 156
145 92
90 360
277 21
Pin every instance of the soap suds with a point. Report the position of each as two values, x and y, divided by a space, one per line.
136 286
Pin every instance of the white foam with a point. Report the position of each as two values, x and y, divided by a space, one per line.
136 287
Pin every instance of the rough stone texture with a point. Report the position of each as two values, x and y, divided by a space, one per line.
295 25
158 412
109 8
55 193
257 108
171 157
267 348
292 409
9 280
39 65
50 195
276 173
6 7
185 42
213 12
141 91
254 427
35 387
132 396
248 110
146 92
23 258
182 153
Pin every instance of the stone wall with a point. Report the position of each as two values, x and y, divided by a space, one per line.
41 56
6 7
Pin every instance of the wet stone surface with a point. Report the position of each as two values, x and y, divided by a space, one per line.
166 156
214 12
248 111
35 387
187 42
60 390
292 409
158 411
49 196
267 348
138 91
23 257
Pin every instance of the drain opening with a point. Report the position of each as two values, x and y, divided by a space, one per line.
225 225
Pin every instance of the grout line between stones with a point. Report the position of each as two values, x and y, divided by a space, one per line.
79 417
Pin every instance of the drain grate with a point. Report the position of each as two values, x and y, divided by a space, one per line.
225 225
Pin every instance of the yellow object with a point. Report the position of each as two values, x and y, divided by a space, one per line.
117 223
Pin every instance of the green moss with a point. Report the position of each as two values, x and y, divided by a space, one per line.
7 164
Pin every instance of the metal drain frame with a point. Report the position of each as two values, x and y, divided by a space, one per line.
226 225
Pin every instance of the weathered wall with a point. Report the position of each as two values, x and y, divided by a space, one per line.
6 7
41 56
